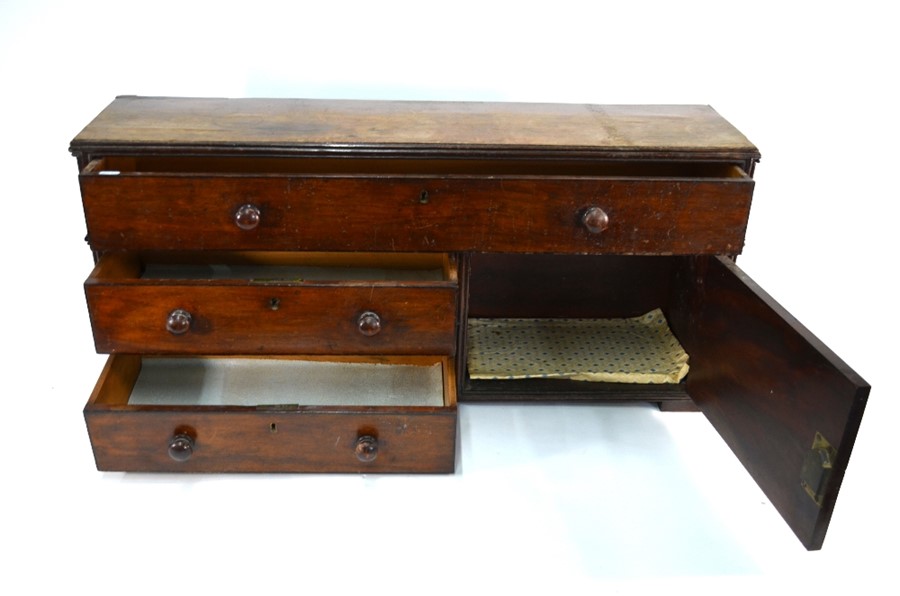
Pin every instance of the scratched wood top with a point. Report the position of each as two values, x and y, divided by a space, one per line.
413 126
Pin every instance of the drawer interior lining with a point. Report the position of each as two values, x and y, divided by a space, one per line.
281 382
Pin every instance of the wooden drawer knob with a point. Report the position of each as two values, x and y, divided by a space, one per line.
595 220
369 323
366 448
181 447
247 217
178 322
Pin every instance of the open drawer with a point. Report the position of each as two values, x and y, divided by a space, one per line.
405 204
273 303
787 406
298 414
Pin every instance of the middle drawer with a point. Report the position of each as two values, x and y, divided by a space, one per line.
273 303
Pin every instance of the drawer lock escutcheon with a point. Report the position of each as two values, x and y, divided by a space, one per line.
817 468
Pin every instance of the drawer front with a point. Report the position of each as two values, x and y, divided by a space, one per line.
265 439
245 442
196 319
407 213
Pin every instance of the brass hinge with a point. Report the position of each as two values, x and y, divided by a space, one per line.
817 467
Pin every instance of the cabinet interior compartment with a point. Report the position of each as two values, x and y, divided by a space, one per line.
574 287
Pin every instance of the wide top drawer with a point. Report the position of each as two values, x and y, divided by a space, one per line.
414 204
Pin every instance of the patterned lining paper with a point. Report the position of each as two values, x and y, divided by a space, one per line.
636 350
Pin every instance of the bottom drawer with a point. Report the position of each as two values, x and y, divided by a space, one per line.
289 414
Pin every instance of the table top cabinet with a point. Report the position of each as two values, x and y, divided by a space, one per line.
313 285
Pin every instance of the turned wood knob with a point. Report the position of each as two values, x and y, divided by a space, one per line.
595 220
181 447
366 448
247 217
369 323
178 322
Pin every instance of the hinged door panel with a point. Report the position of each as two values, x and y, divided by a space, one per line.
787 406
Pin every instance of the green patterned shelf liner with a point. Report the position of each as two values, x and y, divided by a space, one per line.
634 350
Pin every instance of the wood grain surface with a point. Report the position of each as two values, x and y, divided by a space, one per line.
768 386
342 125
129 314
511 214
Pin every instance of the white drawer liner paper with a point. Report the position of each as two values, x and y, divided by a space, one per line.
634 350
260 381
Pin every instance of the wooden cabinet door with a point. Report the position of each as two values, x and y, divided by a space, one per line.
787 406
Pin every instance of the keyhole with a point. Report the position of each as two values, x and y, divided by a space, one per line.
273 428
423 197
274 303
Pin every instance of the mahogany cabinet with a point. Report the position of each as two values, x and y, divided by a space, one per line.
289 285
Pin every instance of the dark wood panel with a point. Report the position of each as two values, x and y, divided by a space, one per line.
132 318
768 386
410 214
564 390
244 439
609 286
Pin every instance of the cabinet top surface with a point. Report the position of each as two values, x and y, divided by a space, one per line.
213 125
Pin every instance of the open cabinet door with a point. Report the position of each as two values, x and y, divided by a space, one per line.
787 406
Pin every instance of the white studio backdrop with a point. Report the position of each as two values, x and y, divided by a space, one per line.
566 499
